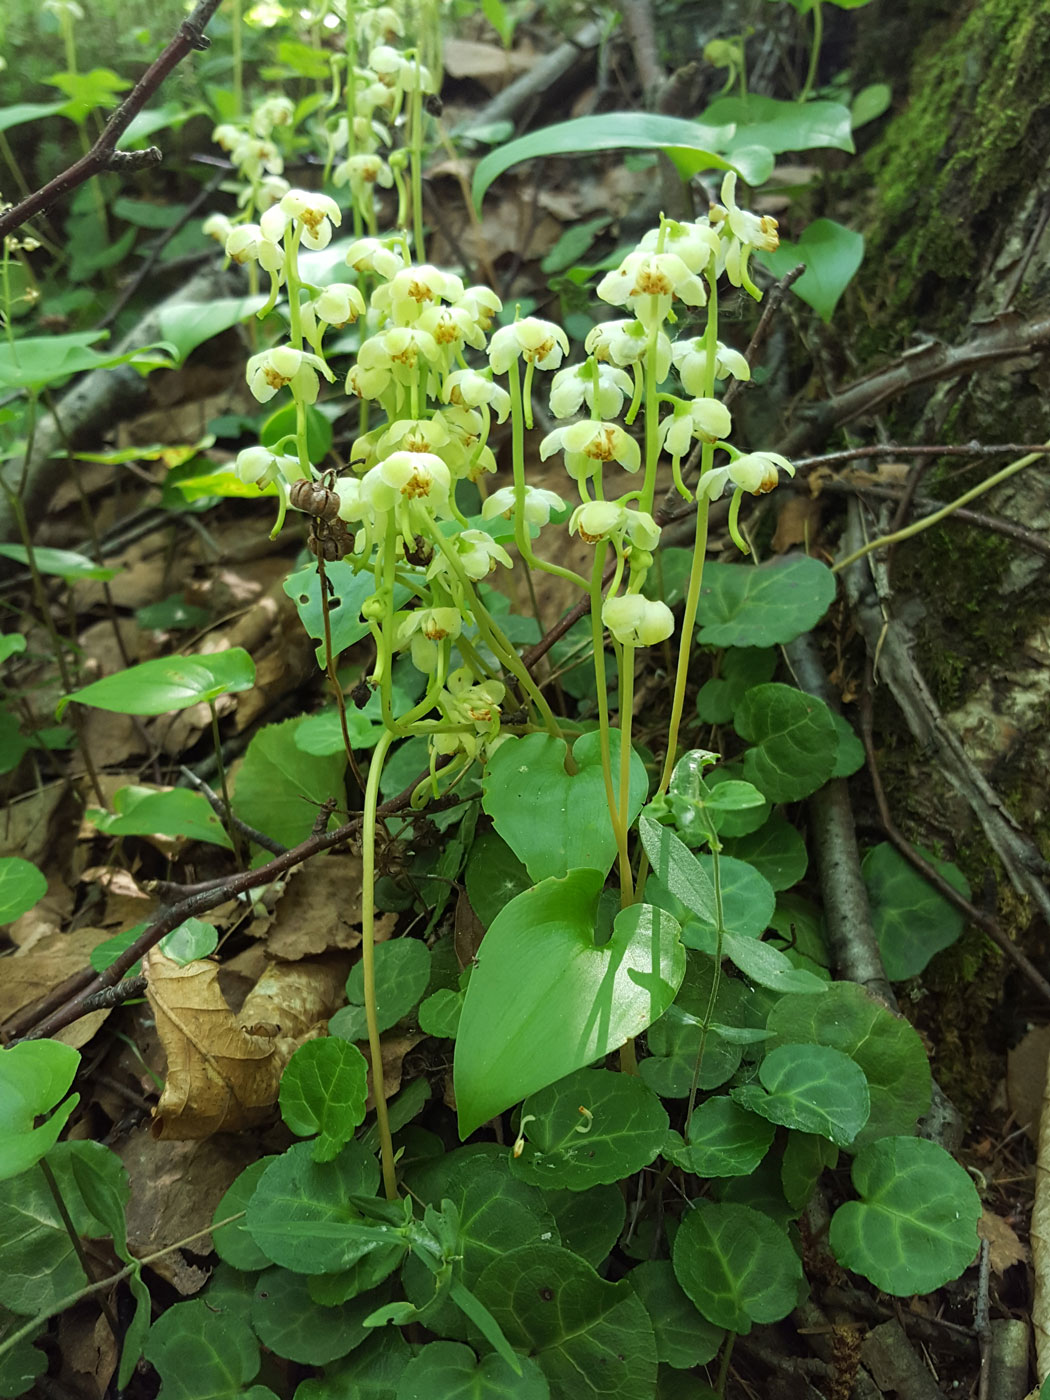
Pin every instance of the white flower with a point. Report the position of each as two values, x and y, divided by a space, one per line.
423 629
412 477
690 358
588 444
647 284
373 255
253 156
571 386
270 190
637 621
272 111
217 226
482 304
351 505
625 343
697 244
363 173
467 388
598 520
755 472
226 136
541 343
314 212
339 303
706 419
478 555
284 365
746 231
412 289
538 504
260 466
452 326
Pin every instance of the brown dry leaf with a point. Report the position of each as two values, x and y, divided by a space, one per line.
394 1051
110 739
175 1187
1026 1077
26 822
491 65
224 1070
321 909
88 1350
29 974
798 521
1004 1248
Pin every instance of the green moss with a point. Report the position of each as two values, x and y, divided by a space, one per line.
949 162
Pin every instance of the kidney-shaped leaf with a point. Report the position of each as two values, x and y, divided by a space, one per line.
724 1140
793 738
763 607
592 1339
832 254
323 1091
589 1129
21 885
912 921
168 683
452 1371
33 1077
545 1000
812 1088
915 1226
737 1265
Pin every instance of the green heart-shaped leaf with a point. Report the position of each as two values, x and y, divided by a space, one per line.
544 999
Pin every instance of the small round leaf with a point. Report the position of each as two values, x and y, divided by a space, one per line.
737 1265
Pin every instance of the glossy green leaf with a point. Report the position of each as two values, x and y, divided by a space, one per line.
300 1215
36 361
349 591
21 112
674 1040
684 1339
279 788
915 1226
143 811
886 1047
554 821
494 876
849 755
11 644
63 563
812 1088
282 424
493 1212
590 1338
797 928
402 973
168 683
453 1371
591 1128
22 1363
832 254
766 964
589 1222
690 145
371 1373
737 1265
201 1352
724 1140
288 1321
545 1000
323 1091
678 869
233 1243
742 667
34 1076
911 920
187 324
192 940
870 103
763 607
793 741
38 1265
439 1013
21 886
782 126
805 1157
105 1189
748 902
776 850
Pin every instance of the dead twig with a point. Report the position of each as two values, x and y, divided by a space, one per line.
103 155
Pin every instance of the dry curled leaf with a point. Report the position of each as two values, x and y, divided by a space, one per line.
224 1070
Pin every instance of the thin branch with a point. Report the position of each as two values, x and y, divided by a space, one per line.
103 155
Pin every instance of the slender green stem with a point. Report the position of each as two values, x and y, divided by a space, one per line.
619 827
917 526
692 600
814 52
716 977
238 60
74 1238
626 661
368 964
29 1329
723 1365
231 825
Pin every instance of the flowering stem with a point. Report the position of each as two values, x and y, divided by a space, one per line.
368 966
619 827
